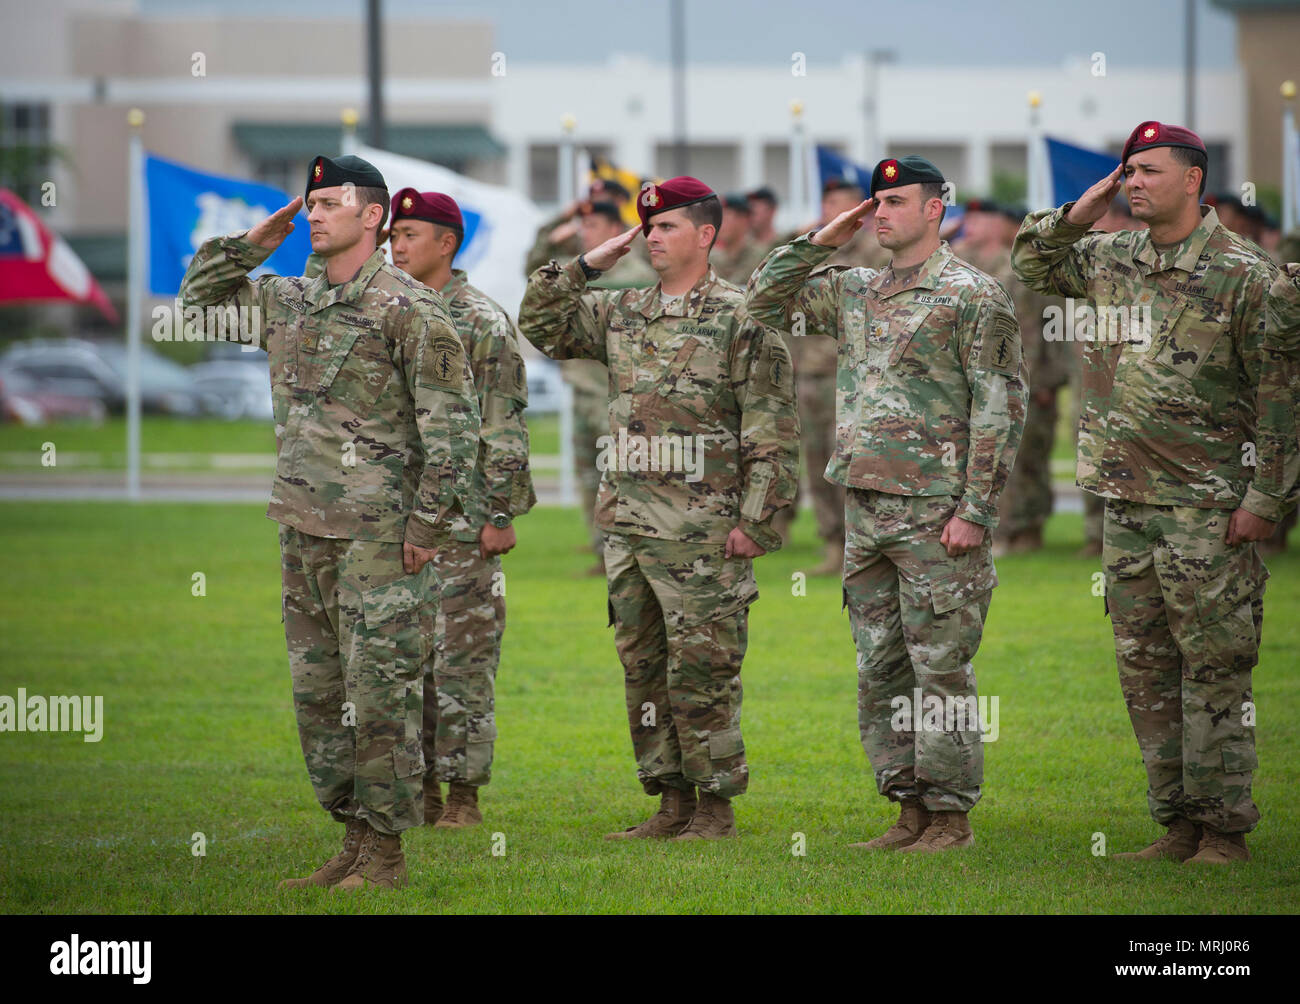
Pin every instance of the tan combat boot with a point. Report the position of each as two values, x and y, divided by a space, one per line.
1179 843
833 563
1219 848
462 808
380 863
675 810
433 806
913 818
713 819
947 830
333 870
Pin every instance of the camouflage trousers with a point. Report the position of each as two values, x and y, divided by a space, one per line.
817 422
358 630
1187 610
917 616
590 422
680 615
460 679
1027 499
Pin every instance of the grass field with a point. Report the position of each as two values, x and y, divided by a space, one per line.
199 737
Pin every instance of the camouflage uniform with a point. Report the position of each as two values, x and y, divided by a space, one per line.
1027 500
376 431
1162 437
459 709
589 381
680 609
930 402
814 369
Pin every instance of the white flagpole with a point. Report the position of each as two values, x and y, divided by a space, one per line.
1039 189
348 141
1290 162
137 235
798 190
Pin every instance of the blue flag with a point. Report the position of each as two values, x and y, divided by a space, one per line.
831 165
186 207
1075 169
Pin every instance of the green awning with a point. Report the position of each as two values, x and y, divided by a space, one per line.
441 144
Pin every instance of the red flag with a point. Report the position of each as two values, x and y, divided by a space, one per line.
36 264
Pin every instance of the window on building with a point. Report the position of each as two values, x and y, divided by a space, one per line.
26 154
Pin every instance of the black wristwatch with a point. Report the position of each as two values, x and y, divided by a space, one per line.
500 520
587 270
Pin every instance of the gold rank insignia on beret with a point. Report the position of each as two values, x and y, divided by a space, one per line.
649 195
890 170
1149 133
318 170
407 203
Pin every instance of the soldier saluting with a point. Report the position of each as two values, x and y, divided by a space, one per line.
930 404
1168 417
377 426
704 451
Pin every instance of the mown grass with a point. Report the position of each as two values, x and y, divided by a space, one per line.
199 737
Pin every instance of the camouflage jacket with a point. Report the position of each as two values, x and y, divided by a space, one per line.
375 414
1279 389
502 480
1047 360
930 389
1171 374
704 382
586 376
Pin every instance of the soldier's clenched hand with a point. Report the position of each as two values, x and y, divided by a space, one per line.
1093 203
741 545
272 231
840 230
1245 526
605 255
492 541
414 558
960 536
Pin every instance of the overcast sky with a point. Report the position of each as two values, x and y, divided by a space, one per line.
920 32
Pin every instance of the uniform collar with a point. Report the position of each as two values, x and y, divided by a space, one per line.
1186 254
648 304
320 294
927 278
455 284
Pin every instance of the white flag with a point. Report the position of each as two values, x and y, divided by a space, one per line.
500 223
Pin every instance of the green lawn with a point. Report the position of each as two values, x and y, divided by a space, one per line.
187 442
199 737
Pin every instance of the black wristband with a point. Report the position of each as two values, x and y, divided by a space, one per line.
587 270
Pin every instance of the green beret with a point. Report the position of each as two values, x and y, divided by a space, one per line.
326 173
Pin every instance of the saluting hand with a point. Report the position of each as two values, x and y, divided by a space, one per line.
840 230
604 256
272 231
1093 203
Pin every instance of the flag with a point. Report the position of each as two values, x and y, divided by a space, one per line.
186 207
1074 169
37 264
831 165
500 223
602 168
1290 173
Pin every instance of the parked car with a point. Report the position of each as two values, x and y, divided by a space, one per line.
29 401
234 389
97 370
545 386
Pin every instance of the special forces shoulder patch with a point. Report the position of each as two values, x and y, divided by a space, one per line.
999 348
774 372
448 356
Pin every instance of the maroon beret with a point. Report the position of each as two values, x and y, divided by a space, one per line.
671 194
1152 134
433 207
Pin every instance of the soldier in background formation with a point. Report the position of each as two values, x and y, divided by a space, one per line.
736 254
762 217
1167 413
377 433
561 236
459 729
703 453
930 403
988 231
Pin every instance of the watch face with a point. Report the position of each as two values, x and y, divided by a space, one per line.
500 521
